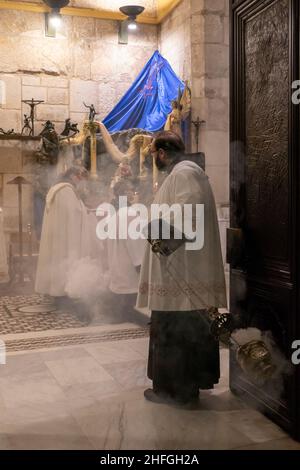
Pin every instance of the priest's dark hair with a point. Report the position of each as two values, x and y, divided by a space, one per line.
121 186
74 170
171 143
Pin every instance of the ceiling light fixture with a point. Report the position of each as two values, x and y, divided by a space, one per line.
54 17
132 11
131 24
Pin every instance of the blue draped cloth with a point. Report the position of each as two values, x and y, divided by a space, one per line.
147 103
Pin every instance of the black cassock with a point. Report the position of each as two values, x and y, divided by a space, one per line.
183 355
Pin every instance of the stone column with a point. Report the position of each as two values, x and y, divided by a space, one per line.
210 87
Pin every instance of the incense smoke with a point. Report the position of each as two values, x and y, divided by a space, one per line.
273 388
86 280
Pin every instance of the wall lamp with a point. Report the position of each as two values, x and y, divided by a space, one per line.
131 11
53 19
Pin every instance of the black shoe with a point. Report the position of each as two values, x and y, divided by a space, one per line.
155 397
150 395
188 404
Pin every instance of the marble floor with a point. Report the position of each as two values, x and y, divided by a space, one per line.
91 397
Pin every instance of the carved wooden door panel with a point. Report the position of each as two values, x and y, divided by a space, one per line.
264 234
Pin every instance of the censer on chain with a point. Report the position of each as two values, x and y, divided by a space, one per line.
254 357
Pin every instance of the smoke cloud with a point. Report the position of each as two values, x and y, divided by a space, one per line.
86 280
273 388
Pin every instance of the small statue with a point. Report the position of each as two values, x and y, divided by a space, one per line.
70 127
92 112
9 132
180 110
48 126
27 126
174 119
48 154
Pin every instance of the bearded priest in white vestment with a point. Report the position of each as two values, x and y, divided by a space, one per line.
180 286
66 235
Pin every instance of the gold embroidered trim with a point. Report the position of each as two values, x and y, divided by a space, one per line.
189 289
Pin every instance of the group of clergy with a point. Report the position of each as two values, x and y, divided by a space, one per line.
176 286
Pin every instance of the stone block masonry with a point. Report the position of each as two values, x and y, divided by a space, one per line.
195 40
83 63
86 63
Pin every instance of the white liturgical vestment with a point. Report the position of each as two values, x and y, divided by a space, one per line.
67 238
186 280
124 256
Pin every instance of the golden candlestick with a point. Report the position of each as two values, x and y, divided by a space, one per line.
90 128
142 161
94 174
155 175
144 151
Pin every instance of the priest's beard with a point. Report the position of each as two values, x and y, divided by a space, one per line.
160 164
167 165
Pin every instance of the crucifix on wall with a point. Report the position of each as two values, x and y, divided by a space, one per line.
197 124
32 103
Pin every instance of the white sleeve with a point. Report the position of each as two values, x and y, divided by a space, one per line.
136 249
187 188
187 194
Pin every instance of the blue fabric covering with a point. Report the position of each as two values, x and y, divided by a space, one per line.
147 103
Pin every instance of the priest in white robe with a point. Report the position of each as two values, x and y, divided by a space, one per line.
125 256
66 237
180 287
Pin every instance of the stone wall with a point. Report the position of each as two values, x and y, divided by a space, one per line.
175 40
210 85
195 40
84 62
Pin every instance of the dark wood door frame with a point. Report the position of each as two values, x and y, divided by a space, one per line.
280 279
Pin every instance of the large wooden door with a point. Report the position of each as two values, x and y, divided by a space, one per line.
265 177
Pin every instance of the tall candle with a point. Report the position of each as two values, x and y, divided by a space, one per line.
93 128
155 174
142 161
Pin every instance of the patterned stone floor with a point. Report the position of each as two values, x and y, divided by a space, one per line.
29 322
31 313
88 335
